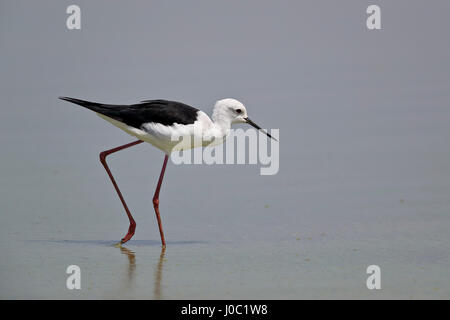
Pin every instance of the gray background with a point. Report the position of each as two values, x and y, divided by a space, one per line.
364 150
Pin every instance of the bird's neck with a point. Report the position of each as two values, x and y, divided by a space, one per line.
219 129
221 122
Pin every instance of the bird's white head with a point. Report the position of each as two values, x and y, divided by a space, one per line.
230 111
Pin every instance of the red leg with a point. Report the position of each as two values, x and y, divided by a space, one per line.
156 200
103 156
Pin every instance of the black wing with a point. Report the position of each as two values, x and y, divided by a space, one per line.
158 111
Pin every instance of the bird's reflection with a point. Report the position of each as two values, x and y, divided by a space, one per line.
158 275
157 294
131 263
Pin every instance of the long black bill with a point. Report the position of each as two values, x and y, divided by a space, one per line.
250 122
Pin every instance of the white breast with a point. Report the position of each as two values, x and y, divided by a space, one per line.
165 137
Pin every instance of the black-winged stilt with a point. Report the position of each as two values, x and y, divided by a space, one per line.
162 123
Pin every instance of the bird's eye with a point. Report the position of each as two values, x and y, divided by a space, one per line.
238 110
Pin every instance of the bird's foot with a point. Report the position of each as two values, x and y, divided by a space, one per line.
130 233
126 238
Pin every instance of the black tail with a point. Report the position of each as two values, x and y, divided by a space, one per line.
110 110
94 106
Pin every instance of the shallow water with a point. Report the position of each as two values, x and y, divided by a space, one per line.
364 152
274 257
288 270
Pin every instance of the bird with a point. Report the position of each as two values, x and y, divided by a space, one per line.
157 122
